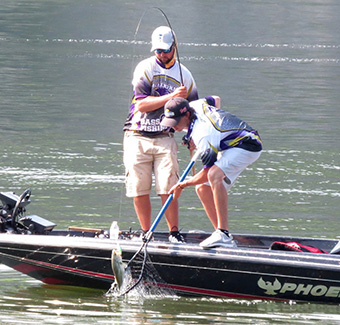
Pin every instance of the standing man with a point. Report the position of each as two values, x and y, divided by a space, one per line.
150 148
227 145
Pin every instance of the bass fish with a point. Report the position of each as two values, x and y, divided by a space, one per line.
118 267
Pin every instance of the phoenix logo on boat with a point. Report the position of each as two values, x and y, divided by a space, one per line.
276 287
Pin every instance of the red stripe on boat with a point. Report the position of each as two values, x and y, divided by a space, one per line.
38 265
49 280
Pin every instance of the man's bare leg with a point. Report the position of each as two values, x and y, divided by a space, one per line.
171 213
143 210
216 179
205 194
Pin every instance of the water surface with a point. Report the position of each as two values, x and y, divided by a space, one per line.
66 69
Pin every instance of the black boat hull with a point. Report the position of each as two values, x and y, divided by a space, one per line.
249 271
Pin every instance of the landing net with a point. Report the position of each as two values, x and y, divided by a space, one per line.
141 278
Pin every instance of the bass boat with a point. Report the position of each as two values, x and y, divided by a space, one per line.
261 267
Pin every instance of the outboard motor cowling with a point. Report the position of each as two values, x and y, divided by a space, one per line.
13 219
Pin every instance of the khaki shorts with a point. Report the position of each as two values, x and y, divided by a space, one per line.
144 156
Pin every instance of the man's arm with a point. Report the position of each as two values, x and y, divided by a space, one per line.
217 101
199 178
213 101
151 103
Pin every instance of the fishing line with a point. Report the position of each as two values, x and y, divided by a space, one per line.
172 32
141 259
134 42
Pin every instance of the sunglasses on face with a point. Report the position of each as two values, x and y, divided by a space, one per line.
159 51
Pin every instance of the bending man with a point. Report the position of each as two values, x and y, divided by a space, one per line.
228 145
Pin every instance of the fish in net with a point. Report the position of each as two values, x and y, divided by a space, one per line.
142 278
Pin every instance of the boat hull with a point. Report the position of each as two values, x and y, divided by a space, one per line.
59 260
250 271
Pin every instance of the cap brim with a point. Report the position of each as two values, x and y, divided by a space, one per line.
170 122
160 46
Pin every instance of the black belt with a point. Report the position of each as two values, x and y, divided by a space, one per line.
159 135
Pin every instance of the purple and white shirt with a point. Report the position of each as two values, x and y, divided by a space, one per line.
152 78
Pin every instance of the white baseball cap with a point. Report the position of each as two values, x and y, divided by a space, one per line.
162 38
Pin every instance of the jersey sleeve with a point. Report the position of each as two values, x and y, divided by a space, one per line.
208 152
141 81
210 100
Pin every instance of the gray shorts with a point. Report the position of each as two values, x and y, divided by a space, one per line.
233 162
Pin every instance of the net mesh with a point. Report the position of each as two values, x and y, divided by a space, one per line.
142 278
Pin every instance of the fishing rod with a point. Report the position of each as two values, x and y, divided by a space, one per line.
173 36
139 259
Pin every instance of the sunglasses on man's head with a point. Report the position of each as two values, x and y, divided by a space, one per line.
159 51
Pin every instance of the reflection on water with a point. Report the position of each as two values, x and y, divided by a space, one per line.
27 301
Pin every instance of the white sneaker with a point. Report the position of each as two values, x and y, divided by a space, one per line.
218 238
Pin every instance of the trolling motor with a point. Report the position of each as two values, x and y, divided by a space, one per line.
12 215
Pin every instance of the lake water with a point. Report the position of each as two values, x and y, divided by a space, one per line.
65 71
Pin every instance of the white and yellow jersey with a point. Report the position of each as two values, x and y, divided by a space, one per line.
219 130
